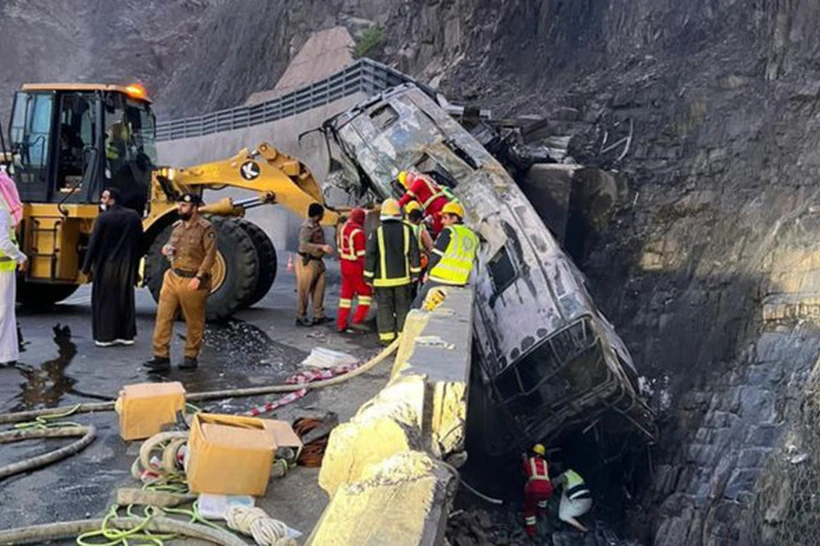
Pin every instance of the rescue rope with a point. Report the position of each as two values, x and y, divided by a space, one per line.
38 534
213 395
457 475
87 432
252 521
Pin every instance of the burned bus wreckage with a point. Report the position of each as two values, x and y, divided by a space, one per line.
549 362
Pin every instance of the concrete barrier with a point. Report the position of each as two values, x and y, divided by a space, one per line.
385 469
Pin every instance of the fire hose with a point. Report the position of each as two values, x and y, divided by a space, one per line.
213 395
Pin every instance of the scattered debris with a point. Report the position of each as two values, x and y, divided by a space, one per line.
320 357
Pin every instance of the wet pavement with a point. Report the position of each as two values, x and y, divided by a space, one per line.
60 366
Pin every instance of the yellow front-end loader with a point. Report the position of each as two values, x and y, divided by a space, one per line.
68 142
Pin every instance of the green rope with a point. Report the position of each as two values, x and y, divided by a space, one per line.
119 537
45 421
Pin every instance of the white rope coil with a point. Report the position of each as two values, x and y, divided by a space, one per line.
265 530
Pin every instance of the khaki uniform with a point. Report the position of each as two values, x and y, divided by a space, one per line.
194 255
310 270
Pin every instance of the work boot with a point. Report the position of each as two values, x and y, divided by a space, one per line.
303 322
158 364
188 363
323 320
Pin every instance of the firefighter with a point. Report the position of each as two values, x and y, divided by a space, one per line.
415 219
392 264
576 498
538 489
352 247
454 252
187 284
429 195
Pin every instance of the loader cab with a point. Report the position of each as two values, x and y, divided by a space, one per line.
70 141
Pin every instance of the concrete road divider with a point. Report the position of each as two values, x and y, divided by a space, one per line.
384 470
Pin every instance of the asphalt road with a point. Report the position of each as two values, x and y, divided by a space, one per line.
260 346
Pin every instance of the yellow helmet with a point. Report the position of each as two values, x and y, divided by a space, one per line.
453 208
403 178
391 208
411 206
539 449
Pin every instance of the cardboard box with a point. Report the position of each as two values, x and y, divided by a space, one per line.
145 407
284 434
229 455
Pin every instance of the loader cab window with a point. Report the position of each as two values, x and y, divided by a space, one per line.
77 145
129 148
31 142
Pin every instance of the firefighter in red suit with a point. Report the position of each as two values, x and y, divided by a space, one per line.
538 489
352 245
429 195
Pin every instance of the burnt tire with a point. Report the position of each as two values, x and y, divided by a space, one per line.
236 250
266 256
38 295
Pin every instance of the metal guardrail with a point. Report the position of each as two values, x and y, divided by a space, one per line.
364 76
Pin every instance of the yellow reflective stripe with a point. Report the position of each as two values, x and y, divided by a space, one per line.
387 336
530 520
435 193
345 303
439 252
365 300
368 273
382 258
350 253
389 283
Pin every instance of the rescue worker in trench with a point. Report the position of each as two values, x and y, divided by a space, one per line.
538 489
427 193
392 264
310 269
455 249
352 247
191 249
576 498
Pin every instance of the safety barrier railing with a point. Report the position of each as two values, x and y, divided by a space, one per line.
364 76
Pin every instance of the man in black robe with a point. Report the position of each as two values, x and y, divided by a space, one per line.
112 260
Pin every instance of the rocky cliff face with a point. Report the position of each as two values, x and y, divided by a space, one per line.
709 269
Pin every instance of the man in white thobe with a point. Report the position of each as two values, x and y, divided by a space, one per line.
11 259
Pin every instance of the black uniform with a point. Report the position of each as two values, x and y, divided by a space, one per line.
392 264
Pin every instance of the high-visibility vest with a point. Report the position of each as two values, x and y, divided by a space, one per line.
347 243
537 468
575 486
457 262
7 263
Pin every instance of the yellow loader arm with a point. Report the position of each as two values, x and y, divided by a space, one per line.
274 176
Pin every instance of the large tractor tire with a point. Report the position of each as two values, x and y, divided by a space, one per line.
38 295
233 277
266 255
